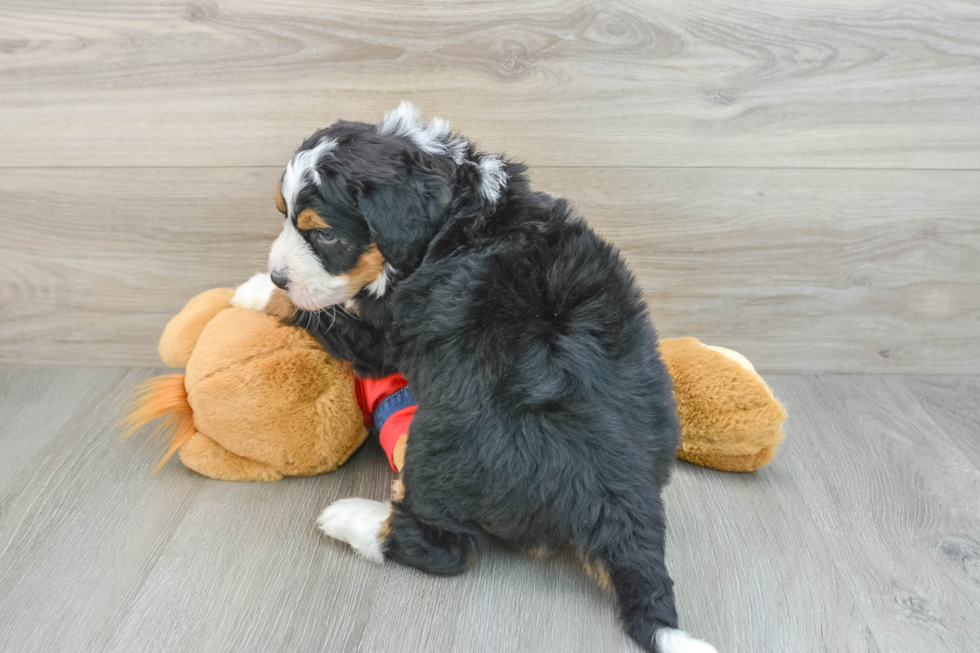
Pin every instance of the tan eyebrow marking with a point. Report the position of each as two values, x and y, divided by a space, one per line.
280 202
368 268
310 219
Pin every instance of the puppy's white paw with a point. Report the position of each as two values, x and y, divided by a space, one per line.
254 293
359 522
671 640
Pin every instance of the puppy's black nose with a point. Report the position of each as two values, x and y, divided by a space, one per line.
279 278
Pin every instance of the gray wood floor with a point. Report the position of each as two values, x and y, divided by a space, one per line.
863 535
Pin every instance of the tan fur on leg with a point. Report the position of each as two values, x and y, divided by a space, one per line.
398 454
540 552
397 490
597 572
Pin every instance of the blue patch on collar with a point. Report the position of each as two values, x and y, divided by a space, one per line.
392 404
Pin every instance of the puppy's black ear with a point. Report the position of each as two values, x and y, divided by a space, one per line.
404 217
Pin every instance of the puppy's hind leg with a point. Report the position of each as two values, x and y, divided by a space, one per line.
362 523
380 531
631 551
435 548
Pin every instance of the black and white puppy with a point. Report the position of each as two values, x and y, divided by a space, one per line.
545 415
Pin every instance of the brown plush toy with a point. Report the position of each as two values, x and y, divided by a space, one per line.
260 400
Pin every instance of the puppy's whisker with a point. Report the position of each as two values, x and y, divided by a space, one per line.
252 260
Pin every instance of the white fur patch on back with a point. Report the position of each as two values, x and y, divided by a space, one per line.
358 522
254 293
379 286
671 640
493 177
433 137
300 169
310 286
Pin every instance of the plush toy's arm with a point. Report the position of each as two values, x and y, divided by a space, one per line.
387 403
729 418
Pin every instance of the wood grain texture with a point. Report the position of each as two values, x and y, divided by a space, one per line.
951 403
895 502
857 271
860 536
799 270
827 83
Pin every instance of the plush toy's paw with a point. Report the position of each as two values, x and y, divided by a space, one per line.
207 457
359 522
254 293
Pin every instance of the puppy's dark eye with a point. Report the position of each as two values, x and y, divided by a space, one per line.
323 242
323 238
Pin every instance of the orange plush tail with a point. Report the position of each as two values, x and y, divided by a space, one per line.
161 396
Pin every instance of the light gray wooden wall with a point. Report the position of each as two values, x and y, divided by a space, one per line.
797 180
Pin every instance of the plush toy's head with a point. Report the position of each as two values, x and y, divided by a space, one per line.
259 400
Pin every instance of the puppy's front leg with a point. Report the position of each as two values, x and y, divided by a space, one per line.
380 531
260 294
360 342
254 293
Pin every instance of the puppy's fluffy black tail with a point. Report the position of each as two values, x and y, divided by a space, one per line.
644 590
646 605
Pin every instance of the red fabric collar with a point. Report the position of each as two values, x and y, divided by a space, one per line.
370 392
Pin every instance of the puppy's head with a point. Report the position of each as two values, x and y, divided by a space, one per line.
361 203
